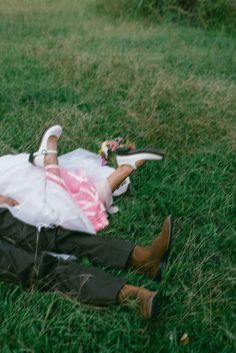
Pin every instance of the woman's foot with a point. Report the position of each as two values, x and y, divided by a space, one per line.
136 158
47 147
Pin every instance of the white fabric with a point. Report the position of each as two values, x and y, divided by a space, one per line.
44 203
91 163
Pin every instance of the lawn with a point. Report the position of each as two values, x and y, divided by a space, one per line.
166 85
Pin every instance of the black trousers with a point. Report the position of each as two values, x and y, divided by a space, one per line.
24 259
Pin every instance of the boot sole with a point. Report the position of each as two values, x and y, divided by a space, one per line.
155 307
164 261
151 151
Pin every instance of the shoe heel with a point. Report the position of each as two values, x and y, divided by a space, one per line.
31 158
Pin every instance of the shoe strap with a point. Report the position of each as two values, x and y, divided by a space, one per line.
44 152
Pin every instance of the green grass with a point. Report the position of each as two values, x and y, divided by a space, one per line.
167 85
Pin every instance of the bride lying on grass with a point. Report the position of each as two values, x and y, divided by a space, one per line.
73 191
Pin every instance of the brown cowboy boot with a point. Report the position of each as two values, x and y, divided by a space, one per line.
148 302
152 260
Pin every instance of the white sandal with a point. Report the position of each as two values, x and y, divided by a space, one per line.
133 156
37 158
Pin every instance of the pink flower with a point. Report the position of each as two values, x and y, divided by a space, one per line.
104 160
119 140
113 146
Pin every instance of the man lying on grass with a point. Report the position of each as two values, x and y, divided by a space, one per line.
25 259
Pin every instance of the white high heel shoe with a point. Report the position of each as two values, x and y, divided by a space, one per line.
37 158
133 156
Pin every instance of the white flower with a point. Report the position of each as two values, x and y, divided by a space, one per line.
105 148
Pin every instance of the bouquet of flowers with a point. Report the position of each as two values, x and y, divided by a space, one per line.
109 148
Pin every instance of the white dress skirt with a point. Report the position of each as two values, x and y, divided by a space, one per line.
43 202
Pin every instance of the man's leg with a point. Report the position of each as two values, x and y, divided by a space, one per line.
101 250
151 259
19 266
87 285
96 287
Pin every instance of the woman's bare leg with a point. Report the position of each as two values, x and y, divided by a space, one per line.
120 174
51 159
114 180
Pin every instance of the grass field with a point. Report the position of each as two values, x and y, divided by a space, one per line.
163 85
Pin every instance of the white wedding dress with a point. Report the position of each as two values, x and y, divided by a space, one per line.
43 202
